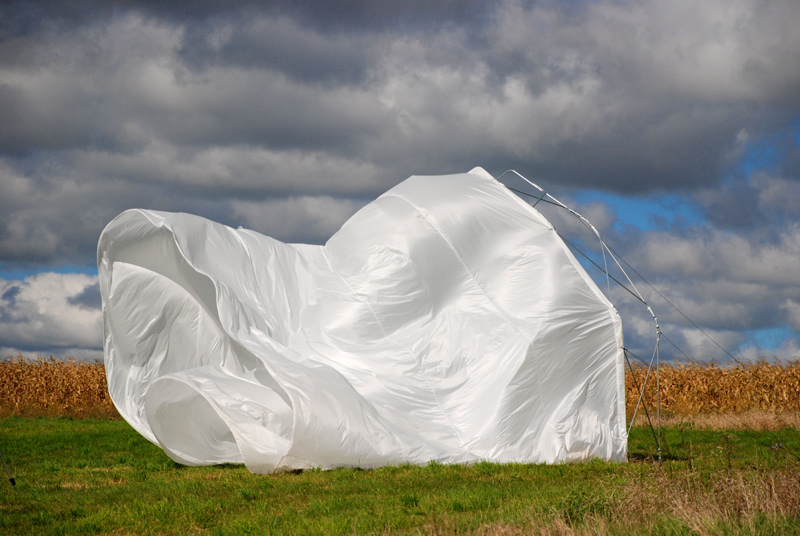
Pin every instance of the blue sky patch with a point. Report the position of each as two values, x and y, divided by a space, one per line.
771 338
649 213
18 274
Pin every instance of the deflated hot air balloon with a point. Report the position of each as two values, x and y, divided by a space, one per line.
444 321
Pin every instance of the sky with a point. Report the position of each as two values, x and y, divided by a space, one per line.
674 126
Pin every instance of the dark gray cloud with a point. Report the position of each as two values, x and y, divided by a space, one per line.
88 298
10 294
282 45
286 117
35 16
724 207
760 206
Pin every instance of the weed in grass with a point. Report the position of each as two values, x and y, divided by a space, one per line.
410 500
579 505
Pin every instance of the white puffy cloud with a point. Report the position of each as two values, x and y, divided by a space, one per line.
788 351
51 313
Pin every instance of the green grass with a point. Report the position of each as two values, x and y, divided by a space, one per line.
99 476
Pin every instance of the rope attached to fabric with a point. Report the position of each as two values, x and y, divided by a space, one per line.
606 250
634 291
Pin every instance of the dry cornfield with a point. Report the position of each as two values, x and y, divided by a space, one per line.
48 387
707 389
73 388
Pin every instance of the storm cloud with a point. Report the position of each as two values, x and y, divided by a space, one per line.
286 117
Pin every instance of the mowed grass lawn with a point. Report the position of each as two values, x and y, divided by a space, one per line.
86 476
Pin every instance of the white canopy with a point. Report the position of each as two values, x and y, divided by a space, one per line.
445 321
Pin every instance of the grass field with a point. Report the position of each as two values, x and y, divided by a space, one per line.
730 466
99 476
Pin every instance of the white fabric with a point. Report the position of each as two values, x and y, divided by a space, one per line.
445 321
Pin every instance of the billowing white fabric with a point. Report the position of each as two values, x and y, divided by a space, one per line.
445 321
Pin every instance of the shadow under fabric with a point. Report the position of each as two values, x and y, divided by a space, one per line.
445 321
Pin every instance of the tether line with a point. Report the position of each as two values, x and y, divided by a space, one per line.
709 337
614 279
